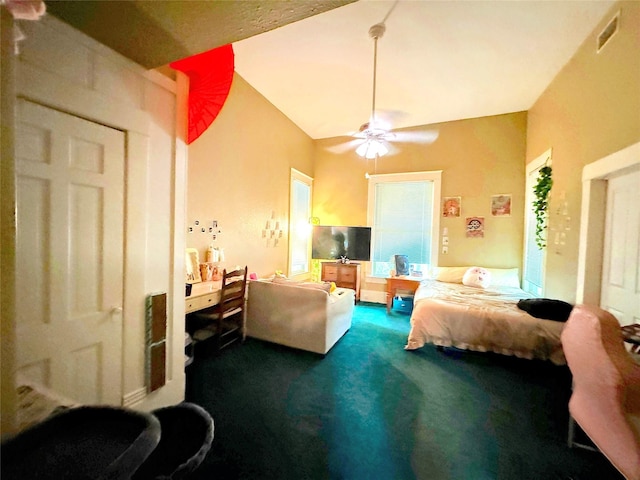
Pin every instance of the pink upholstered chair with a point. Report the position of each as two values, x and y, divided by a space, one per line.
605 401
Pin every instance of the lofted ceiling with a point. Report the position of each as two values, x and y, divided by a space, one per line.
437 61
154 33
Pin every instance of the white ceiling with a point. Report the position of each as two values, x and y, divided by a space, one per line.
438 60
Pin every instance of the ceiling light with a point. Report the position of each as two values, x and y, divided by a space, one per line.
376 133
372 148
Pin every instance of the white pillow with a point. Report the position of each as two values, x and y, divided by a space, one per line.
450 274
504 277
477 277
500 277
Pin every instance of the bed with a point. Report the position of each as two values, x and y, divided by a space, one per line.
448 313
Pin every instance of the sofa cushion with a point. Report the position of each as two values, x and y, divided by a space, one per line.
288 281
326 286
309 318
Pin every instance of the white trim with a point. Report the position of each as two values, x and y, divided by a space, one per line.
134 398
532 166
592 218
303 177
175 340
546 157
297 175
616 163
79 97
374 296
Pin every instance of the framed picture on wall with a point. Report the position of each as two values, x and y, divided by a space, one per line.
475 227
451 206
501 205
192 264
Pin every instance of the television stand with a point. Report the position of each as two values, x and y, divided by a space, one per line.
345 275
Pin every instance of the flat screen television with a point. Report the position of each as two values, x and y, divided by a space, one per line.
334 242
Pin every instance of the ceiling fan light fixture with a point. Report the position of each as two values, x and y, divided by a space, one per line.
372 148
376 134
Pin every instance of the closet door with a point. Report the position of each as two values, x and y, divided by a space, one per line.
621 263
70 212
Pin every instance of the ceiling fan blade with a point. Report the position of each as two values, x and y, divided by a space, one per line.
379 123
426 136
391 117
392 149
344 147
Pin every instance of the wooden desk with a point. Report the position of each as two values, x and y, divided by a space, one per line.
203 295
403 282
345 275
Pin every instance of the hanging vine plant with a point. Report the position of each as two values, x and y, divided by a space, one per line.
541 204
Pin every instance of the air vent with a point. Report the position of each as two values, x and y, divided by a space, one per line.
608 32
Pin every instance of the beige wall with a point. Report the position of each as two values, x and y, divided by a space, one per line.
238 174
478 157
590 110
94 83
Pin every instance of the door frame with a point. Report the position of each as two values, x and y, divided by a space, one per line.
592 218
534 165
8 395
32 82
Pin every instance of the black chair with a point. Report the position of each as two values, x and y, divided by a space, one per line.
187 434
100 442
226 320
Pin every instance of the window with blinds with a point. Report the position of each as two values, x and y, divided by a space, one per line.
403 211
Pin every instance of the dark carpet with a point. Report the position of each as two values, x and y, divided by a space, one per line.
371 410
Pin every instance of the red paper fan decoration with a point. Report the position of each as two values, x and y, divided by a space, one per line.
210 76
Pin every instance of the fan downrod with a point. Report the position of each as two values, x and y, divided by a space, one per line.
377 31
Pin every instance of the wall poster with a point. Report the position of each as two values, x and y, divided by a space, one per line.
501 205
475 227
451 206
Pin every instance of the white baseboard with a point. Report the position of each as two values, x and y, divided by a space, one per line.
373 296
135 397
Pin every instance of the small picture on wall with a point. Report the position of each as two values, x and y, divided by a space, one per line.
451 206
475 227
501 205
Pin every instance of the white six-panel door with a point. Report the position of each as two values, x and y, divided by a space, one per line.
70 210
621 264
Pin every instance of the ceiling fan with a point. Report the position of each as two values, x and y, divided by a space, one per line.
375 136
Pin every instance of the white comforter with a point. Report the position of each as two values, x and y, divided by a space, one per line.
451 314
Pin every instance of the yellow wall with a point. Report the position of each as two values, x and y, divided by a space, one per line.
478 157
239 168
238 174
590 110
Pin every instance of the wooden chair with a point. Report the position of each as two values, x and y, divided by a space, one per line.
226 320
605 401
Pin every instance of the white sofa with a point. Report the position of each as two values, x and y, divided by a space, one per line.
298 316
